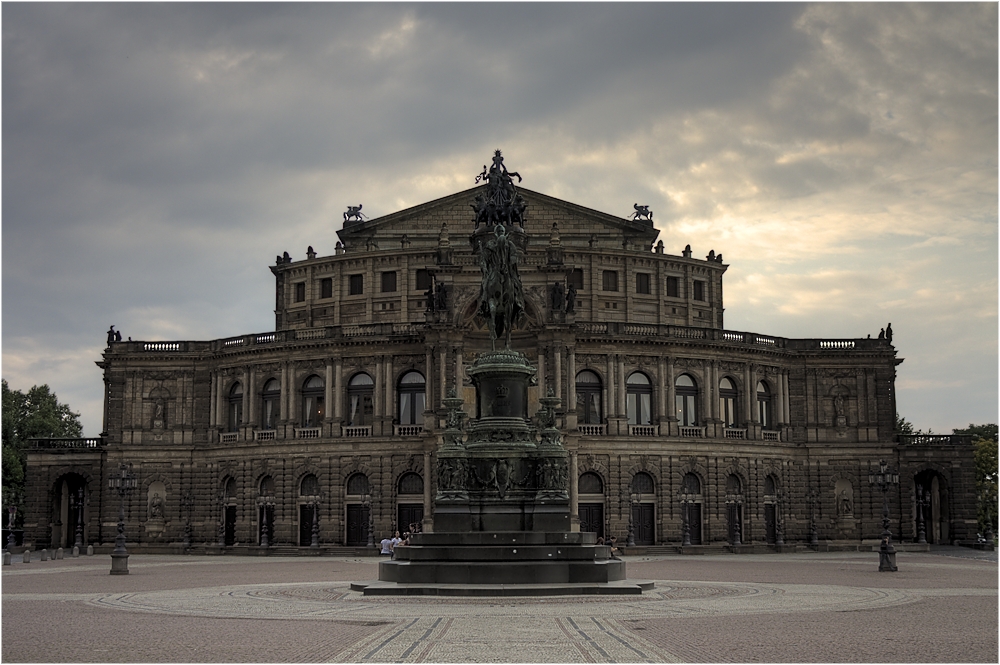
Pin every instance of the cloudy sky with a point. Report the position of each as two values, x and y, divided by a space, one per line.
842 157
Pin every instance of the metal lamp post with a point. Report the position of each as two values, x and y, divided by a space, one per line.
78 504
367 500
884 479
813 531
922 497
11 514
686 522
187 502
264 502
734 501
221 501
313 502
124 483
779 530
635 499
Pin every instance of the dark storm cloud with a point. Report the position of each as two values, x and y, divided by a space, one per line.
157 156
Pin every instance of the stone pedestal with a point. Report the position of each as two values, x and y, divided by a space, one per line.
119 564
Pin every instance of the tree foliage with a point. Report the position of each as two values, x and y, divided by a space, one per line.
984 439
34 414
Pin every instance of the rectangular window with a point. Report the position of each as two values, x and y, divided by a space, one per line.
300 292
610 280
326 287
576 278
423 280
642 282
388 282
699 290
673 287
356 285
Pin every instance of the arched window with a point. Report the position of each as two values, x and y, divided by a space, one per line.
411 483
309 486
357 484
588 398
312 401
270 409
770 487
642 483
267 486
733 485
590 483
235 407
360 404
411 398
727 402
764 405
685 400
691 484
638 398
230 491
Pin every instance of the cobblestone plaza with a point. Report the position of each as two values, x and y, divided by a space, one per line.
809 607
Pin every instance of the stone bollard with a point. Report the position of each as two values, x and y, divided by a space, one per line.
6 558
27 556
43 555
90 550
59 553
76 552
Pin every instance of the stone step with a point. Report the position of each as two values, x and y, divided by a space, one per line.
501 572
512 538
621 587
503 553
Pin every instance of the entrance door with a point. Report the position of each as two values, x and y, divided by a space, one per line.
230 538
694 522
357 524
592 518
770 532
407 514
642 522
306 514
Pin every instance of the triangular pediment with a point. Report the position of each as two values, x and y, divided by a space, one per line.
578 226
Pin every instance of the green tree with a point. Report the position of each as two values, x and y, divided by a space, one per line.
984 439
904 426
36 413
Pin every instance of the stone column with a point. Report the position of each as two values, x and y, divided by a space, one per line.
443 353
788 409
247 393
570 379
543 379
428 506
669 384
661 385
283 400
378 389
609 390
221 411
779 400
328 399
294 413
748 395
620 387
558 371
389 402
338 401
574 492
213 416
458 371
430 422
706 391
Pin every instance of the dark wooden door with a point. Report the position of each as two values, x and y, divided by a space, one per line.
643 524
592 518
694 523
305 525
357 524
230 538
407 514
770 533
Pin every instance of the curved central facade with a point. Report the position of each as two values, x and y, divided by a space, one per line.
326 430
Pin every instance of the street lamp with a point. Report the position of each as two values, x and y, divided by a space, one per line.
221 499
124 483
78 504
635 499
884 479
187 502
686 522
264 502
779 531
922 498
11 514
813 531
733 500
368 500
313 502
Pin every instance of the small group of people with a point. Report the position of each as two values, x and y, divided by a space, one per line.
389 545
611 542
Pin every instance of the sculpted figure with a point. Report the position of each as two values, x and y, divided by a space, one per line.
571 299
156 506
641 212
353 212
557 297
111 335
501 298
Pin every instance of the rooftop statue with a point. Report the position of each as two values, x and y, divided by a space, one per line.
641 212
502 204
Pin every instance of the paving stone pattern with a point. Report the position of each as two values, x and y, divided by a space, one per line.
831 607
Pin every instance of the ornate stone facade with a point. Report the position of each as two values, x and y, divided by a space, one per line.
340 411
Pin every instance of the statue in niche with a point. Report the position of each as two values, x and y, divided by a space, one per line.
429 295
845 507
156 507
840 416
158 414
441 298
571 299
558 297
